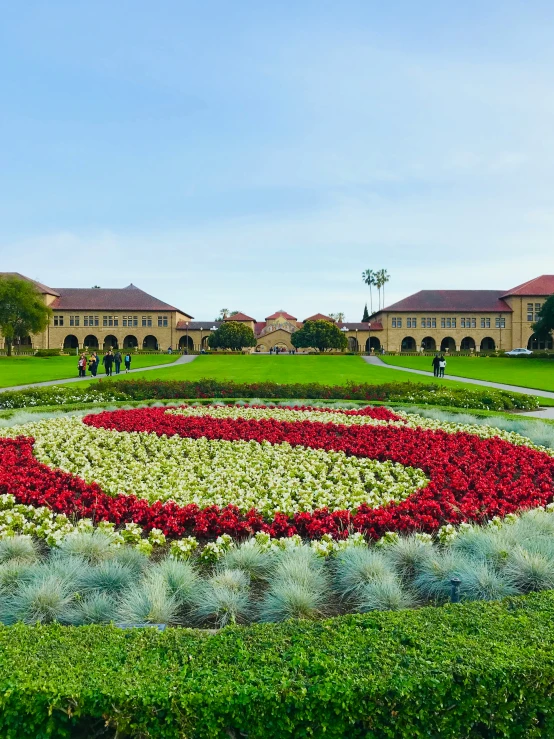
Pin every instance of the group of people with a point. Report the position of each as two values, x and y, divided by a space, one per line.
439 365
109 360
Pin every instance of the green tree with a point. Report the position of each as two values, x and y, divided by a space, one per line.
22 310
365 318
544 326
225 313
319 335
232 335
338 317
369 278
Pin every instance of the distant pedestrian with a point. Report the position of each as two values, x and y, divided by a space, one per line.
442 366
435 363
117 361
170 350
93 364
82 365
107 361
127 362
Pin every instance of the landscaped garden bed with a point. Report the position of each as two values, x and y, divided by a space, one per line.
220 516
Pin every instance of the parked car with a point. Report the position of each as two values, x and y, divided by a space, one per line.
518 352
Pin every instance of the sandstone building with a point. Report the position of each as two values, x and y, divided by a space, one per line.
432 320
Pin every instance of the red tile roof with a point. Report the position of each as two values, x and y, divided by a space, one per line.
259 326
543 285
319 317
42 288
128 298
239 317
448 301
282 313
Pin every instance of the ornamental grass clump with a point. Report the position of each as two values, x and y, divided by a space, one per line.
384 593
407 555
133 559
180 578
96 608
489 544
480 581
70 570
355 567
528 571
292 599
109 577
251 558
13 574
42 600
93 546
18 549
433 582
223 599
149 602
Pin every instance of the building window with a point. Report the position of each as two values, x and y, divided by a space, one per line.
394 322
162 321
538 307
433 323
90 321
147 321
411 322
73 320
500 322
58 320
109 321
397 323
469 322
529 311
485 322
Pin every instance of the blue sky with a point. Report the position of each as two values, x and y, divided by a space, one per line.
259 156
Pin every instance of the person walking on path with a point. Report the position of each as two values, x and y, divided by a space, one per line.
82 365
127 362
435 363
93 364
107 361
117 361
442 366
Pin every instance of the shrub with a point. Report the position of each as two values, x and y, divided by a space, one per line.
384 593
470 670
40 601
223 599
46 353
358 566
148 602
123 389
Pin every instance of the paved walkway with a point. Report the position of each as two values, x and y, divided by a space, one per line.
183 359
546 413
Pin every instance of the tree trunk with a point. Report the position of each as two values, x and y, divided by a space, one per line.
9 347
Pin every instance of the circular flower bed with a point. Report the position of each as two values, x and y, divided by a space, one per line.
283 471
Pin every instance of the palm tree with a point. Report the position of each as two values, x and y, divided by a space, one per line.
338 317
223 313
378 285
384 278
369 278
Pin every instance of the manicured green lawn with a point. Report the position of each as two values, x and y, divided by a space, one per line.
327 370
23 370
533 373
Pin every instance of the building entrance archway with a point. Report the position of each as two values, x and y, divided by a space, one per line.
468 344
408 344
185 342
110 342
448 344
130 342
71 342
150 343
90 342
536 343
428 344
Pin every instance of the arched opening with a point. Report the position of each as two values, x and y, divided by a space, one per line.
408 344
428 344
261 349
90 342
448 344
130 342
537 344
185 342
205 344
71 342
110 342
468 344
372 343
352 344
150 343
280 348
488 345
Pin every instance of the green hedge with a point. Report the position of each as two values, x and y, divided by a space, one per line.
456 672
407 392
